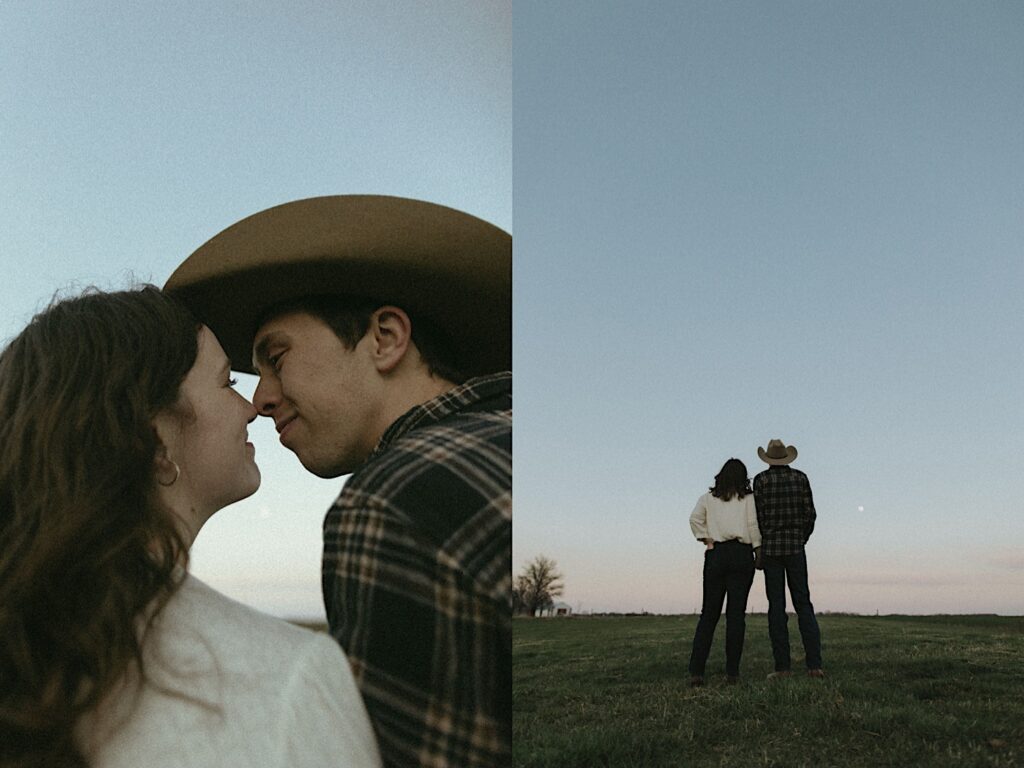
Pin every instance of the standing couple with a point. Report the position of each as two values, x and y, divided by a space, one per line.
380 329
744 530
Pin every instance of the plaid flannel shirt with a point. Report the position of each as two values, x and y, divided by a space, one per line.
785 510
417 580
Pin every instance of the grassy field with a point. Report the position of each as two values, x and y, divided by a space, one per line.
901 691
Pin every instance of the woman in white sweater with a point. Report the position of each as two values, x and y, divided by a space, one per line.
121 435
725 520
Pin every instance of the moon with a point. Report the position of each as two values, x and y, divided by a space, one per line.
860 509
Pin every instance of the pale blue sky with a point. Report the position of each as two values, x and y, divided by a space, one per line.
734 221
741 220
131 133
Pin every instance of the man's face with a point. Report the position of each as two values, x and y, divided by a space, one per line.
325 399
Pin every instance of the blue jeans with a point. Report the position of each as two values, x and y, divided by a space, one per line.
777 571
728 570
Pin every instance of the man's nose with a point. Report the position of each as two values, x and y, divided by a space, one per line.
266 397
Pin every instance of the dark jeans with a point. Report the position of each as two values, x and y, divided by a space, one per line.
728 570
777 571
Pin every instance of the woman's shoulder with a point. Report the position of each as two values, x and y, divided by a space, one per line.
245 688
736 501
238 635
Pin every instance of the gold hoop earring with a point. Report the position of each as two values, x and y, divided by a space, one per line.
177 473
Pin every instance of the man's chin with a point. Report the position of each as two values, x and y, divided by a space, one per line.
322 469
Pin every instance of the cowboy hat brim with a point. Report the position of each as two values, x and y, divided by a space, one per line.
428 259
787 459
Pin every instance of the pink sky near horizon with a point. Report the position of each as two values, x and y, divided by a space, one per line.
992 583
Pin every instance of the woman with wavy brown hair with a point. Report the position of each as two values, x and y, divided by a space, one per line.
725 520
120 436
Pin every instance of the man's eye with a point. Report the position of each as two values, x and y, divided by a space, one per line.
273 360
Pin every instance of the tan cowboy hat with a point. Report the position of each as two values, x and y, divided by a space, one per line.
430 260
777 453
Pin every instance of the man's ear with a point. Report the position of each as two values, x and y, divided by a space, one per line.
392 337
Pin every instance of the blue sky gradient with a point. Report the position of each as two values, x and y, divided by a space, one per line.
733 221
131 133
738 221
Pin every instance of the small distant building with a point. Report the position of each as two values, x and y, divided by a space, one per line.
558 609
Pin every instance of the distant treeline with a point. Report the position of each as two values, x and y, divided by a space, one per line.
951 618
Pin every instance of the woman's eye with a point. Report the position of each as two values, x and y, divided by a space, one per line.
232 382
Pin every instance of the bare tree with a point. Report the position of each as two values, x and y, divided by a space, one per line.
539 584
519 589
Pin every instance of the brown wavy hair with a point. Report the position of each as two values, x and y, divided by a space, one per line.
731 481
85 548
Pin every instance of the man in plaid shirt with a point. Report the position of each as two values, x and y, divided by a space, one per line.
380 328
785 515
416 579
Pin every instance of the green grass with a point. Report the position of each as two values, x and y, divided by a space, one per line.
901 691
